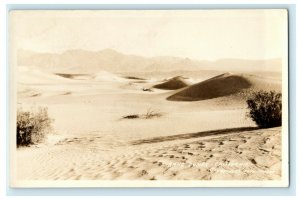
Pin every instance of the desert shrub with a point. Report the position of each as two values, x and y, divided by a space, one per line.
133 116
32 126
150 113
265 108
147 89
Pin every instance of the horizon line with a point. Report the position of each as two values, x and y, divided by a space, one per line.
149 57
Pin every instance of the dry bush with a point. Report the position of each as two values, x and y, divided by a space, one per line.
133 116
150 113
32 126
265 108
147 89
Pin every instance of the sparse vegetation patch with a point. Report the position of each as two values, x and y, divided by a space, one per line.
265 108
150 113
32 126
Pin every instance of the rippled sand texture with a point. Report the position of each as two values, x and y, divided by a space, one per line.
114 126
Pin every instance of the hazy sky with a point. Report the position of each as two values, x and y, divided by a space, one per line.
206 34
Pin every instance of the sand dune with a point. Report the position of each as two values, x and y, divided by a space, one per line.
224 85
172 84
76 76
99 76
91 141
134 78
35 76
107 76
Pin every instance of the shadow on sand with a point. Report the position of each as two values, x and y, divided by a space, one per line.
193 135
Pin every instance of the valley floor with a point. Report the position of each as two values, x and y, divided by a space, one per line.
189 140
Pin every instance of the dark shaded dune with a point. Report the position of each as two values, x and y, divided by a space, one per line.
134 78
74 76
193 135
218 86
66 93
172 84
65 75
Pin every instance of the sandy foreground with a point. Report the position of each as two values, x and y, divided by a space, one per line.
210 139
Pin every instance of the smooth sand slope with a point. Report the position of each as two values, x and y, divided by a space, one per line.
225 85
207 139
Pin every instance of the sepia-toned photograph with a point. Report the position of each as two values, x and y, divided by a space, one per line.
148 98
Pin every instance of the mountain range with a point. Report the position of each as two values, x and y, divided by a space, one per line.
82 61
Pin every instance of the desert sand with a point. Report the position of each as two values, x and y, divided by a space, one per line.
198 131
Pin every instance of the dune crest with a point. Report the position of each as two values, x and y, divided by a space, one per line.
174 83
219 86
75 76
35 76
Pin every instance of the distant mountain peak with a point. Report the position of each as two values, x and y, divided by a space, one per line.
83 61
